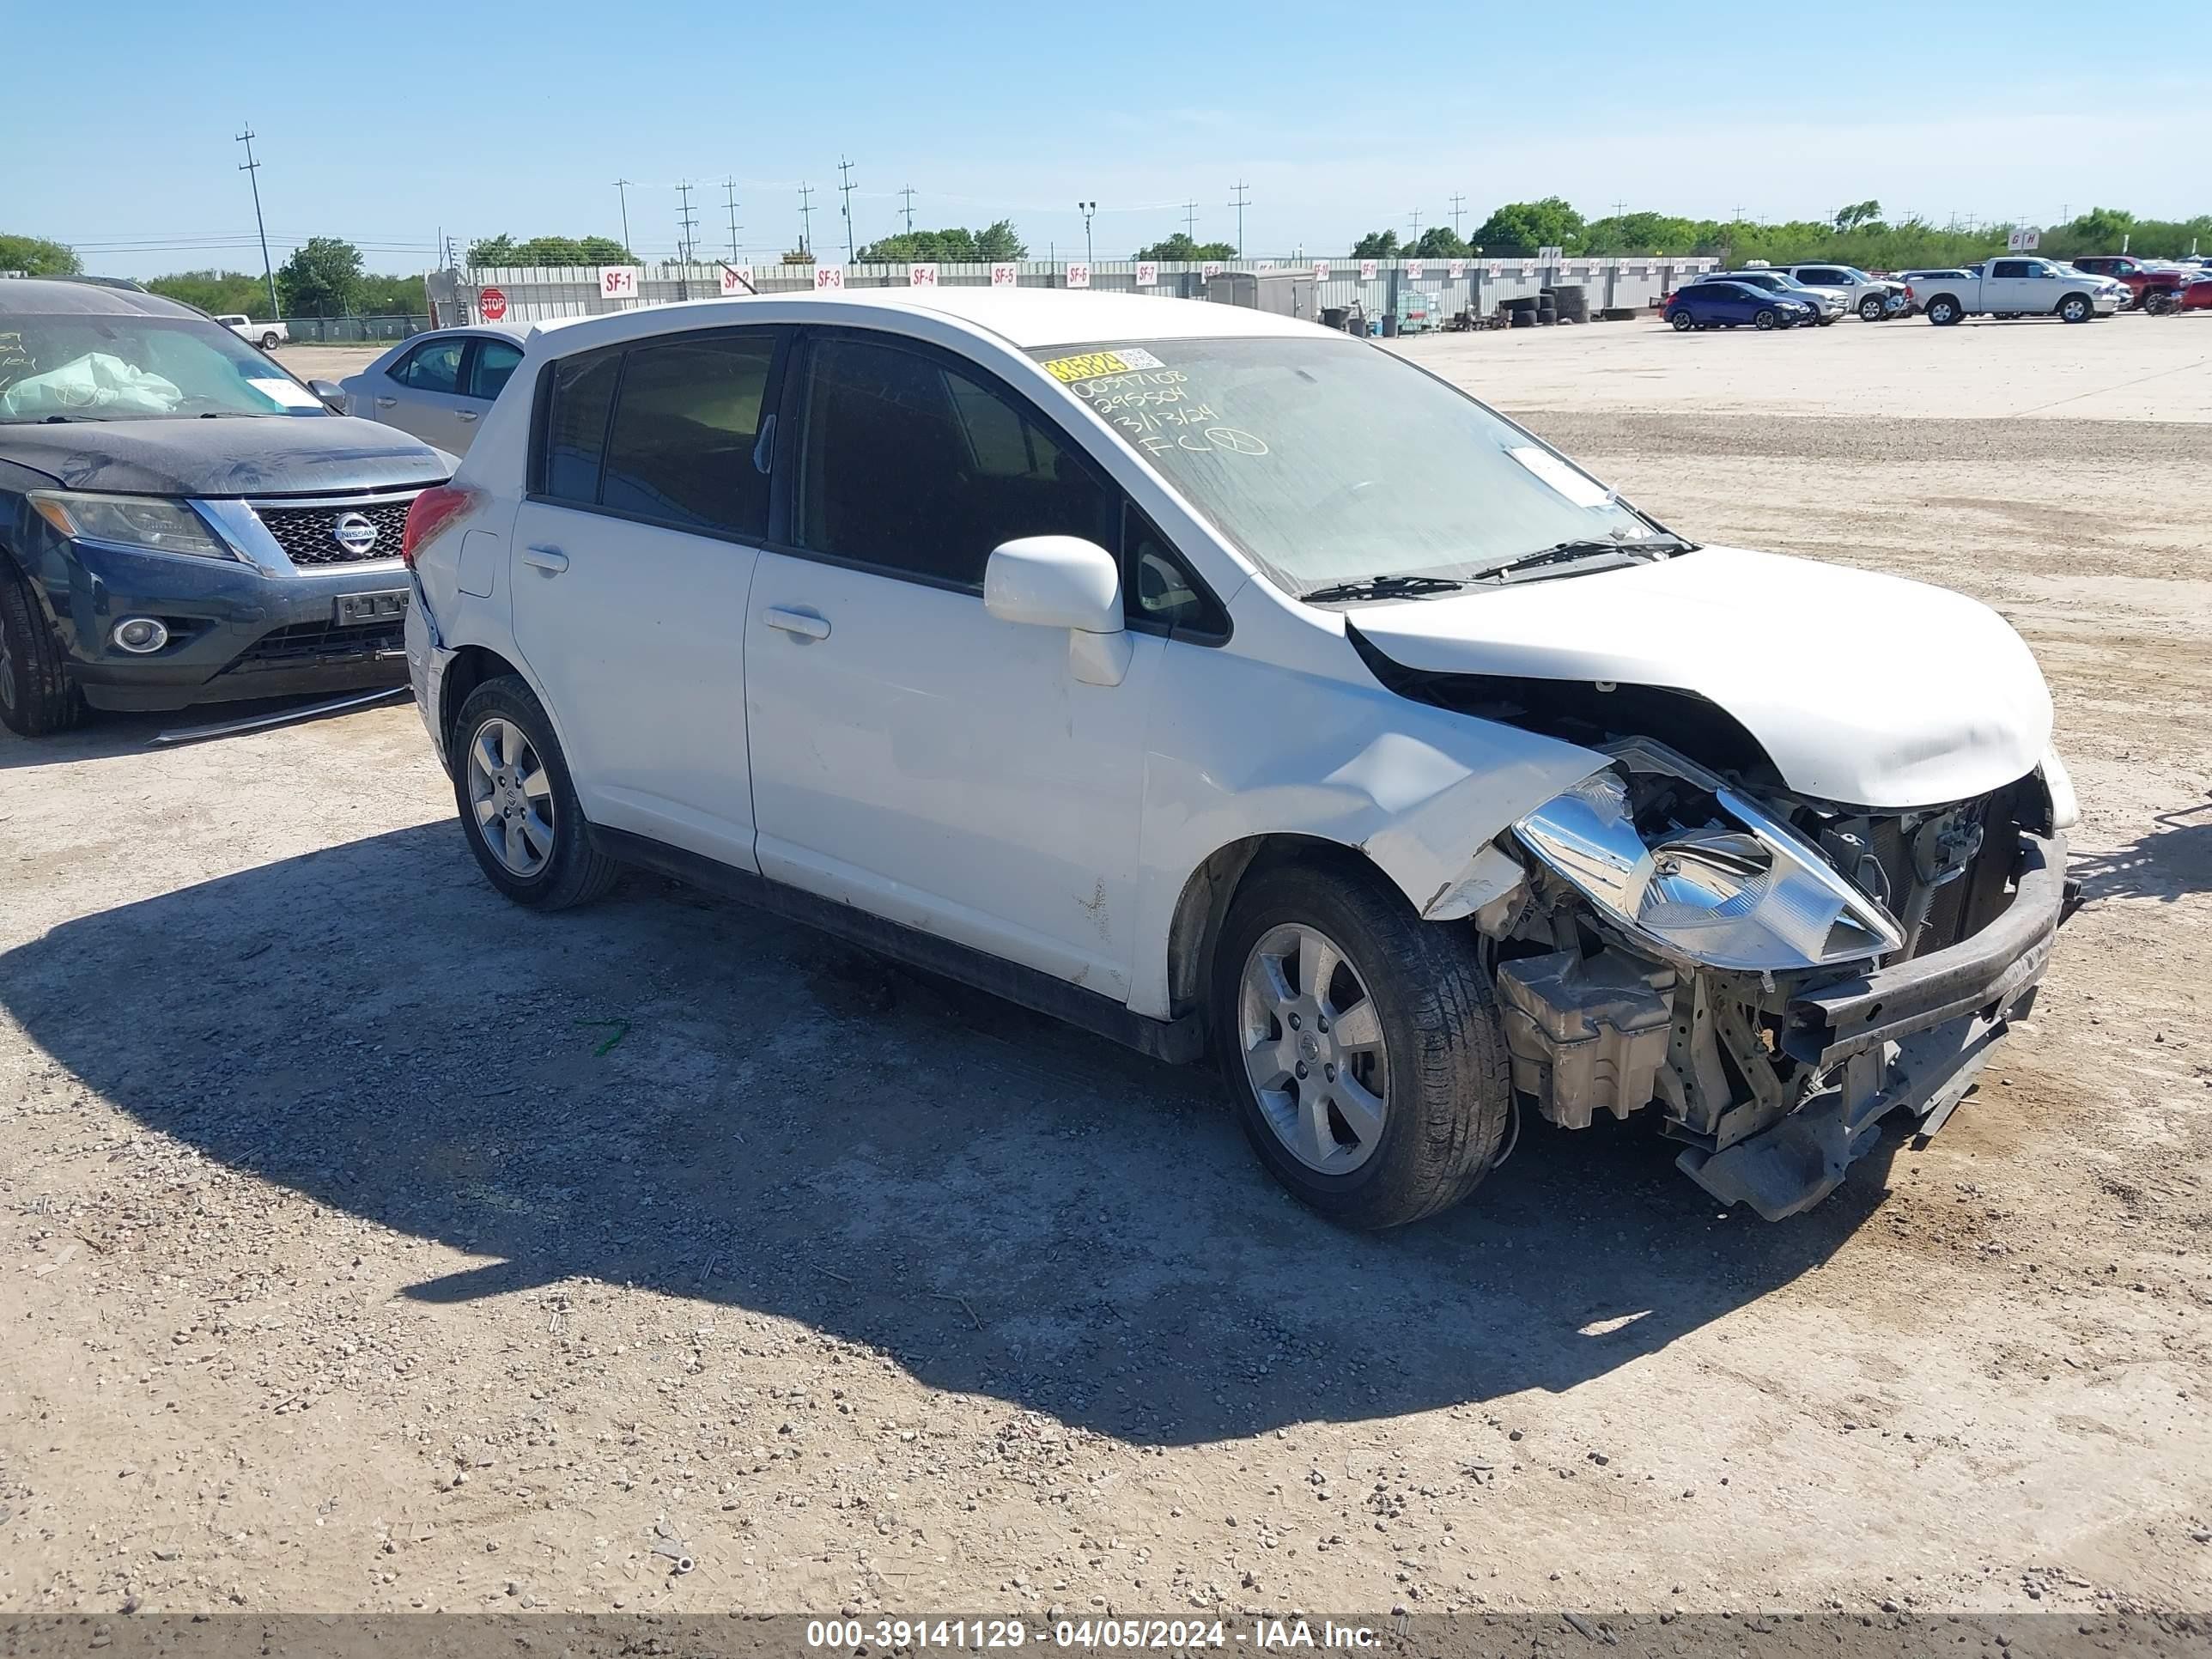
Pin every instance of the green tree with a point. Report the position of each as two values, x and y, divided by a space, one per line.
1524 226
1440 242
321 279
950 246
391 296
216 292
1858 214
1376 245
539 251
1179 246
35 256
492 251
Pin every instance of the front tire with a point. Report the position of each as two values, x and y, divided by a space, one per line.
517 803
37 698
2075 308
1871 309
1362 1045
269 342
1766 319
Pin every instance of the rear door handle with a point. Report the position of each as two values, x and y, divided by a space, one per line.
466 414
797 621
551 560
386 403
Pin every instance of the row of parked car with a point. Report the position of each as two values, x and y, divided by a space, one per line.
2077 291
1140 662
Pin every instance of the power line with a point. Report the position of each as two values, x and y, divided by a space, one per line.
845 187
1242 202
252 169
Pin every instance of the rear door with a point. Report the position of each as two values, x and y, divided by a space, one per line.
2006 287
634 556
487 370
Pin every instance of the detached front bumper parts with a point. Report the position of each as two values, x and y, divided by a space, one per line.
1912 1037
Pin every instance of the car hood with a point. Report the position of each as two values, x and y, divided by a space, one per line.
1864 690
269 455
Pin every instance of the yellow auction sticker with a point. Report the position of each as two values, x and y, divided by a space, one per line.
1092 364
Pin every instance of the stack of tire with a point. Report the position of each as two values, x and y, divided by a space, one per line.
1527 311
1571 302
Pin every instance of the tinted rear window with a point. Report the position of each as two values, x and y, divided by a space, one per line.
576 425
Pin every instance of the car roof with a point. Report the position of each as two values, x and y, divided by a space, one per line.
1024 317
506 330
61 296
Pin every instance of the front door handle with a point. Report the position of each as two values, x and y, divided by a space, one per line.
466 414
386 403
551 560
797 621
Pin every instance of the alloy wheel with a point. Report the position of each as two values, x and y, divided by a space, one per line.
1312 1041
511 796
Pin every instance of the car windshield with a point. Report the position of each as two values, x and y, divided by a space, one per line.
86 366
1328 461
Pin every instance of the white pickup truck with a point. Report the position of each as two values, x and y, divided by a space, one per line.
2016 288
263 335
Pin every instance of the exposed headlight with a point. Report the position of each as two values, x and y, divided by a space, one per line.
1740 890
2065 805
149 521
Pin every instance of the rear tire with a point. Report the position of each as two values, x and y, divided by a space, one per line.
37 698
517 803
269 342
1417 1019
1943 311
1683 322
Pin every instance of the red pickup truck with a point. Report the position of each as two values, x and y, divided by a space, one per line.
2140 274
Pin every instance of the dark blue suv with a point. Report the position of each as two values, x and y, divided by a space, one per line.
181 520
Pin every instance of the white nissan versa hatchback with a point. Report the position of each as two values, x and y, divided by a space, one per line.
1216 680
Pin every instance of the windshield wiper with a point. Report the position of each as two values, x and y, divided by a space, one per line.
1382 588
1565 552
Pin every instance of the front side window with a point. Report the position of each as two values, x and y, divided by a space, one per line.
1329 461
434 365
494 364
914 466
581 392
2009 268
686 423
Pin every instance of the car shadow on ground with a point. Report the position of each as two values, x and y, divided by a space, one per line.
683 1095
103 736
2173 859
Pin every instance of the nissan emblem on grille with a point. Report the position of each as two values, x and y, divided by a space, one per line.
354 533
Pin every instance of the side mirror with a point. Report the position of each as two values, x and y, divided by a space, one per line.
330 393
1064 581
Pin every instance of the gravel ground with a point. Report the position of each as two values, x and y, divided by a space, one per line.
368 1242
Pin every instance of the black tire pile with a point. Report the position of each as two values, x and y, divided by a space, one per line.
1550 306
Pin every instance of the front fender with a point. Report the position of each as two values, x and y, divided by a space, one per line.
1240 748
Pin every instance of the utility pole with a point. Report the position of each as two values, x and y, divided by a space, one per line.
1242 201
1190 221
1459 210
252 169
1087 209
1412 227
845 189
687 220
622 190
805 219
907 191
729 202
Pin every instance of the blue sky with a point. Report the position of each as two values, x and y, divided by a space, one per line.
520 119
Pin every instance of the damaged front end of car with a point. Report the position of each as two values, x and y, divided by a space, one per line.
1776 973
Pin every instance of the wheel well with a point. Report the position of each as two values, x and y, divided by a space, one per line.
1213 886
472 665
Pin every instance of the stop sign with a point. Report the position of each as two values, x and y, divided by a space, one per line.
493 304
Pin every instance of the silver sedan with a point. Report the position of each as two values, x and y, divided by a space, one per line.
438 385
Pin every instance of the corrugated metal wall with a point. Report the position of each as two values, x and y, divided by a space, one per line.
539 294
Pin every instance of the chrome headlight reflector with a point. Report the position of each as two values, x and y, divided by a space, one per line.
157 523
1744 892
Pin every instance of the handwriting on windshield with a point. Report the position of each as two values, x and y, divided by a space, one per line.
1157 409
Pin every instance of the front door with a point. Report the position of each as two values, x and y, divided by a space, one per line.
423 394
2004 289
633 562
912 754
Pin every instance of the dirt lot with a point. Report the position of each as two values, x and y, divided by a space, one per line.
346 1262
